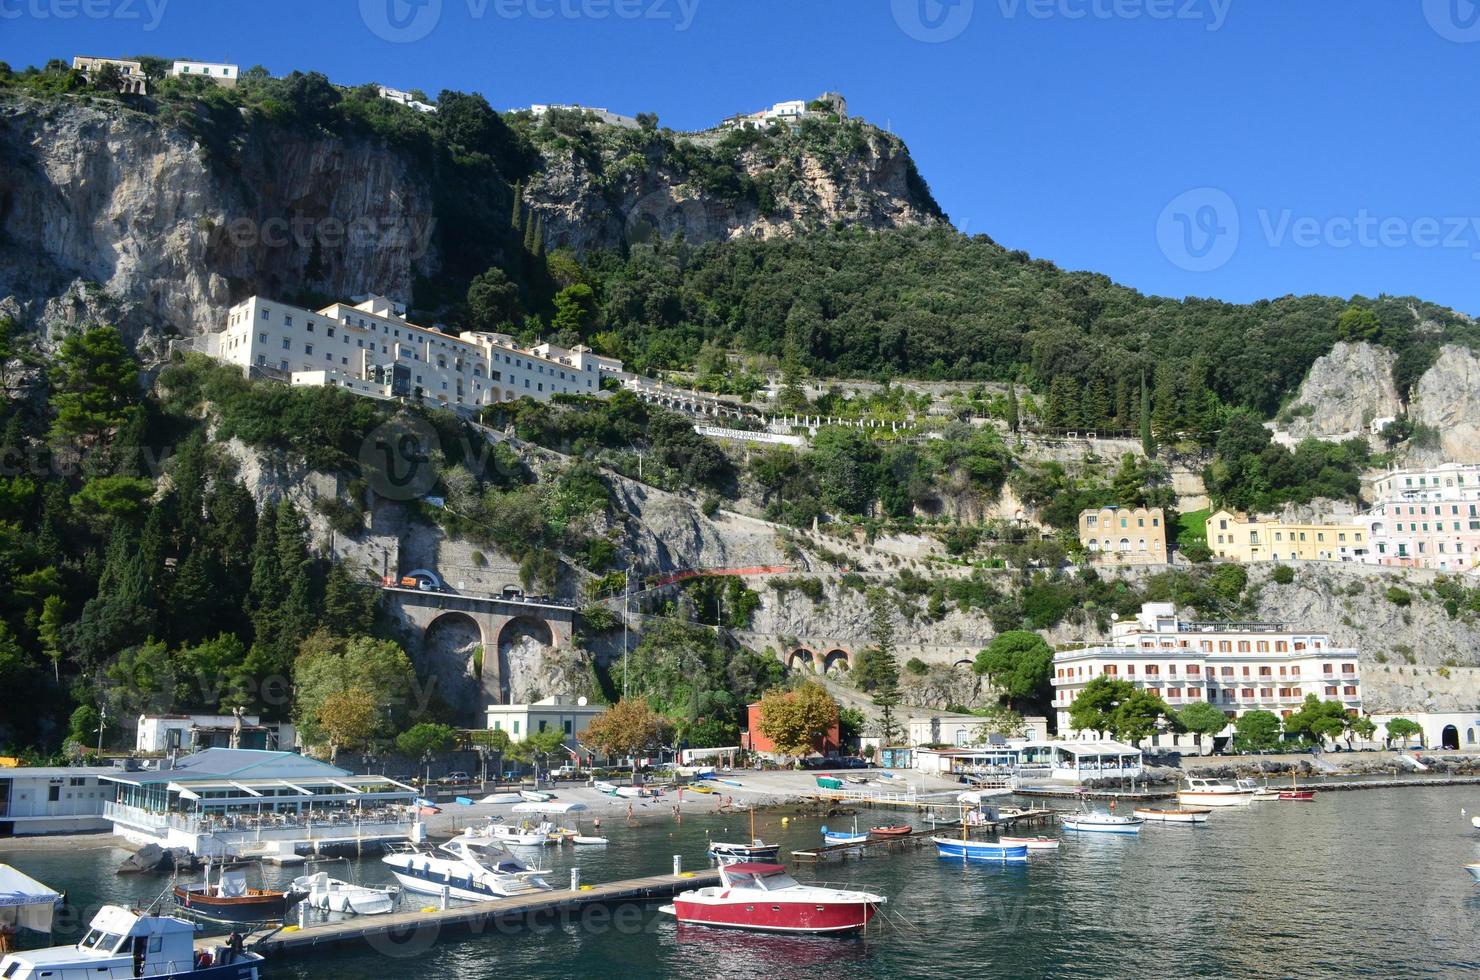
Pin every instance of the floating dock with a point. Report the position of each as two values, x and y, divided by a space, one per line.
407 932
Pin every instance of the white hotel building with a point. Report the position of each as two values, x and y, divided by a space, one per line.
370 348
1238 667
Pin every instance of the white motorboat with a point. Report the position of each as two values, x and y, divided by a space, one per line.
120 943
1262 793
1214 792
589 841
766 898
468 867
1103 823
333 895
1190 814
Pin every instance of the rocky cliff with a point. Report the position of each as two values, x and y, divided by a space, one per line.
1447 399
119 213
1343 392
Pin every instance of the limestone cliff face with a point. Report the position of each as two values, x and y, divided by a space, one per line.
99 199
1344 391
1447 398
111 214
584 207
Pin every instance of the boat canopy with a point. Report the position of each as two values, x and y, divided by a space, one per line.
26 902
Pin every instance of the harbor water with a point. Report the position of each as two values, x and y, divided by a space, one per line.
1356 883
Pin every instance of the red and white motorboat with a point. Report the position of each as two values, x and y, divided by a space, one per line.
767 898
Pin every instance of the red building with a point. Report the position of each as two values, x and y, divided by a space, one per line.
752 739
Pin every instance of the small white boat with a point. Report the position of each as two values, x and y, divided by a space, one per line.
606 787
522 835
831 837
535 796
1262 794
501 798
333 895
1194 814
1214 792
1474 870
629 792
588 841
1033 843
1103 823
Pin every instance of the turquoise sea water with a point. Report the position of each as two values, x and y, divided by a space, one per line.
1362 883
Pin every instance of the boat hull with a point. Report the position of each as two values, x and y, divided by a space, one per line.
776 916
1033 843
834 839
1196 798
247 908
973 850
1173 816
745 852
1298 796
1099 827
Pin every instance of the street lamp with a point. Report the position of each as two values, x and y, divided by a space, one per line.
102 724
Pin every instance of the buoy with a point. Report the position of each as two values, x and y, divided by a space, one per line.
785 821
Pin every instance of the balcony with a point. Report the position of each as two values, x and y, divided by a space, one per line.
384 821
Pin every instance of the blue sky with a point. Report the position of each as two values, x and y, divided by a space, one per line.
1230 148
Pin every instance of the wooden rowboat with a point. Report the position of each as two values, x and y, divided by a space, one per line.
895 830
1186 814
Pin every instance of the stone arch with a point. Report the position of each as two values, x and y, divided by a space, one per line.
966 662
450 648
800 659
522 642
1449 738
837 661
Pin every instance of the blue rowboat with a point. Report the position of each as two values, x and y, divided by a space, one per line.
837 837
980 850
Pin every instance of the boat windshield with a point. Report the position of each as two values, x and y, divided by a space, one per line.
105 941
772 882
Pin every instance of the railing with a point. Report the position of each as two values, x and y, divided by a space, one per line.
334 824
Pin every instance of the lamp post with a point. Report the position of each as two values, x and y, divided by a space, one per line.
102 724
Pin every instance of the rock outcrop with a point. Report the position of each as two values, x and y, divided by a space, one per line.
1343 392
1447 399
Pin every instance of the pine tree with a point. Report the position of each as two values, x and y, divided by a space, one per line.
886 693
1095 404
1166 404
1148 444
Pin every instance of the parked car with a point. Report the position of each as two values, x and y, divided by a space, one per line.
454 778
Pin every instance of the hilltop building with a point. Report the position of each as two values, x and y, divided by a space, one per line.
220 72
133 80
1241 538
1124 535
404 98
371 349
791 112
1238 667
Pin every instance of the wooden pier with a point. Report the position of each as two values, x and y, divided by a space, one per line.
418 929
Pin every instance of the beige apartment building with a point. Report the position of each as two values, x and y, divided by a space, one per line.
1124 535
1243 539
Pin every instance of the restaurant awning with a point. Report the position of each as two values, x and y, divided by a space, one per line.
245 789
185 794
25 901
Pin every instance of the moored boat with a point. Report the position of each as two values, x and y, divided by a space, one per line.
764 897
1263 793
229 899
1186 814
588 840
893 830
322 892
1103 823
1213 792
1474 870
468 867
1033 843
832 837
756 850
1298 795
980 850
120 943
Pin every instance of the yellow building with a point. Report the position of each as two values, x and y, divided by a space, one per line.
1124 535
1239 538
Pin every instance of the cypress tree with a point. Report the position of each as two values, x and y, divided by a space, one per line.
1012 407
531 229
1148 444
516 213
